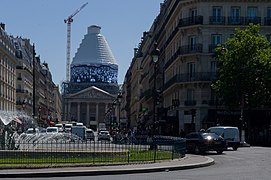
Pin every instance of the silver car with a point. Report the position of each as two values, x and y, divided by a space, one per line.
104 135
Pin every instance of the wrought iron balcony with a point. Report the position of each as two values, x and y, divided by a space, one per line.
191 77
254 20
172 58
267 21
191 21
193 48
217 20
235 20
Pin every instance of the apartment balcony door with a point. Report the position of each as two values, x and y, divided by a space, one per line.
217 14
235 15
192 43
252 15
191 71
193 15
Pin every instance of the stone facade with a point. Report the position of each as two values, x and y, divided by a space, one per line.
187 33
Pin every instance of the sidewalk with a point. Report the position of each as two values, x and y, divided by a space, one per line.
188 162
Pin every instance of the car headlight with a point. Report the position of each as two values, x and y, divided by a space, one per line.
208 138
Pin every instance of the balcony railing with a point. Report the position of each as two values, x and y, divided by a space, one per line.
267 21
172 59
217 20
254 20
190 77
188 49
191 21
235 20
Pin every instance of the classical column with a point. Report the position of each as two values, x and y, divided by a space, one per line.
97 113
65 115
78 112
69 111
88 118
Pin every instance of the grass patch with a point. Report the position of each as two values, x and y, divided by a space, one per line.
82 158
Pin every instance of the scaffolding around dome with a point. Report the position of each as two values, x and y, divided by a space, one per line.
99 73
93 65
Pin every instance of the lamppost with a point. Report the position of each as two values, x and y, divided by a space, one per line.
155 56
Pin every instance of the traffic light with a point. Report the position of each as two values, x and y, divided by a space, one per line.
158 97
114 121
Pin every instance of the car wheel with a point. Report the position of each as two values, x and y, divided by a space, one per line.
234 148
219 152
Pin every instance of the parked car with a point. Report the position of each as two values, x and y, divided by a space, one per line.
32 131
90 135
60 127
229 133
67 128
52 130
104 135
200 142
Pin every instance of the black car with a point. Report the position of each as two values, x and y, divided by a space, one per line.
200 142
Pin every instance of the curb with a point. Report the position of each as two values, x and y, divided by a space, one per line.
172 166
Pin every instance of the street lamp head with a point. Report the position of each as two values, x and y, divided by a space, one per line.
155 53
223 50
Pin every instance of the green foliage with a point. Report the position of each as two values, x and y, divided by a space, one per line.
244 69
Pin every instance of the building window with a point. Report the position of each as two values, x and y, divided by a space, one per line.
213 69
235 15
190 97
193 15
217 15
252 15
192 43
252 12
268 17
268 14
191 71
215 40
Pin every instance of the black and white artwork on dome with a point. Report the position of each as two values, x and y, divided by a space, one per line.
94 74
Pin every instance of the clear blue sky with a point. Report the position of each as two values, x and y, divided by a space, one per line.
42 21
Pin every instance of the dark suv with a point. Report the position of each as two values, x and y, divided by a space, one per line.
200 142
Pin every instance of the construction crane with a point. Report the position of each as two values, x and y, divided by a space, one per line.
69 21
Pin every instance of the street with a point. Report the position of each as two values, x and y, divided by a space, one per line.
244 164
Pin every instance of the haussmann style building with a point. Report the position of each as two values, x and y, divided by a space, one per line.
186 33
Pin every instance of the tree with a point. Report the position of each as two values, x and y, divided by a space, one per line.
244 69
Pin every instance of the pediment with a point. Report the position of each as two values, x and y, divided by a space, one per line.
92 93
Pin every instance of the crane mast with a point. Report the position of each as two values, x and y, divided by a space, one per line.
69 21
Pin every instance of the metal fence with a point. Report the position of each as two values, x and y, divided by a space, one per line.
43 150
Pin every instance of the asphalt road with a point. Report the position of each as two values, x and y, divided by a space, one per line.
252 163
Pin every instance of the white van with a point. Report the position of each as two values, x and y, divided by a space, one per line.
229 133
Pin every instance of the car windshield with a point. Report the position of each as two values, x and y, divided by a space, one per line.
218 131
104 133
51 130
30 131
